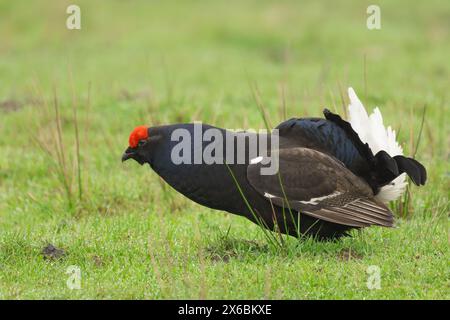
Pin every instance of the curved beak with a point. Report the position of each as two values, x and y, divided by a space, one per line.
128 154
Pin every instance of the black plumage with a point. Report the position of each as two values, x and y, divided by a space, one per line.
326 183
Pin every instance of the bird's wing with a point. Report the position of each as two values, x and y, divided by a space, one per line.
329 137
318 185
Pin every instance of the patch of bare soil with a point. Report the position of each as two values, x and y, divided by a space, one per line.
10 105
50 252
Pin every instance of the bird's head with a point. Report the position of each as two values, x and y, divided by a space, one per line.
139 144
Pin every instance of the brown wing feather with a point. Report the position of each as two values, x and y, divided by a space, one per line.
355 214
320 186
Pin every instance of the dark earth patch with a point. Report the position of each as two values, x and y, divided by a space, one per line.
10 105
98 261
50 252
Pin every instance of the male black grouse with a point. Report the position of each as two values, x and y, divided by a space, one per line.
333 175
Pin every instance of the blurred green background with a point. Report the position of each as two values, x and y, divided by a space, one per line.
210 50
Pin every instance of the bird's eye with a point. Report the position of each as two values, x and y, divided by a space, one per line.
142 142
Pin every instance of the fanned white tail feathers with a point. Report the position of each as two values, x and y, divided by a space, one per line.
371 130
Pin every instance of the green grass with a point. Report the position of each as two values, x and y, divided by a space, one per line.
135 63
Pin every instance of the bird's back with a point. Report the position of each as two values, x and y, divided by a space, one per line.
324 136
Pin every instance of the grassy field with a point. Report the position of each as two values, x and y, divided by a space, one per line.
70 98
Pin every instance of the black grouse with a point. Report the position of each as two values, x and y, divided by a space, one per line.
328 180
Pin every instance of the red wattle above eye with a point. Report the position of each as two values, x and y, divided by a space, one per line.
139 133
